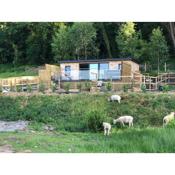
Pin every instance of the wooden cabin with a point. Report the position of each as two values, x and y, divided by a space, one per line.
104 69
118 70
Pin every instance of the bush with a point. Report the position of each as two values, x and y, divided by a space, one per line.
166 88
80 86
95 120
53 87
125 88
87 86
18 89
109 86
171 124
67 87
0 89
42 87
160 88
29 88
143 88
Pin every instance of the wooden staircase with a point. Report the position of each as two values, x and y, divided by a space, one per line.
153 83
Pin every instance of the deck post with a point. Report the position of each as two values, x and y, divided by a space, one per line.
156 84
165 67
149 83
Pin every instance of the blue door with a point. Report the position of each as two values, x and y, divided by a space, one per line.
93 72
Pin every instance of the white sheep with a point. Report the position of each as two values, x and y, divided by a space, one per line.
124 119
168 118
107 128
114 98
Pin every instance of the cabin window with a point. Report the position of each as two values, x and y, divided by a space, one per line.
93 73
84 71
103 69
115 73
67 71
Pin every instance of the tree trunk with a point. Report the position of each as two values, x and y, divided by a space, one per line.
172 32
105 36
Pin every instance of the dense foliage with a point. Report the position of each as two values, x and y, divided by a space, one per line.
85 112
38 43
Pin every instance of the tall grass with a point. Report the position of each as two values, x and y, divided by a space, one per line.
74 112
147 140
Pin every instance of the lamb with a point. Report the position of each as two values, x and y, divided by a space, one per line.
124 119
168 118
114 98
107 128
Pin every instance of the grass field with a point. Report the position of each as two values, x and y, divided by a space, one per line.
148 140
11 71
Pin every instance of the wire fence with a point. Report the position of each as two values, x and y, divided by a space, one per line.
154 68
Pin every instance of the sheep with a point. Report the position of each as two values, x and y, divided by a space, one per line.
124 119
5 90
168 118
99 83
107 128
114 98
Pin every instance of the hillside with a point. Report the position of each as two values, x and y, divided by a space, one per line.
9 70
85 112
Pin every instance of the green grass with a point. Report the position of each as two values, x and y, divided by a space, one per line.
148 140
12 71
77 112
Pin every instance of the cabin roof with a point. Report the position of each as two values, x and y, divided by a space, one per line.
96 60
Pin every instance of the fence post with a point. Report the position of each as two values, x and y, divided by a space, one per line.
145 67
165 68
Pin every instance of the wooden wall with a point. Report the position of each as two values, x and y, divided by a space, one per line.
74 70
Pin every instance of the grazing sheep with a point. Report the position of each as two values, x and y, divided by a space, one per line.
168 118
114 98
5 90
107 128
99 83
124 119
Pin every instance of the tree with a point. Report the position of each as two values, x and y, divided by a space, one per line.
158 48
38 43
83 37
76 41
172 32
61 45
130 43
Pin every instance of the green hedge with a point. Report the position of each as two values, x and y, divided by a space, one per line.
78 112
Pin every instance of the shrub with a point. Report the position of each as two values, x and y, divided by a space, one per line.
53 87
87 86
125 88
29 88
80 86
12 89
132 85
109 86
18 89
143 88
0 89
67 87
42 87
160 88
166 88
171 124
95 120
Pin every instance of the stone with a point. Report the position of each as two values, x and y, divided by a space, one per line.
6 126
